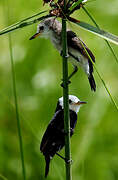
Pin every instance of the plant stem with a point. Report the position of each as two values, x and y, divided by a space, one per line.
16 102
65 97
3 177
93 20
19 22
17 110
22 24
104 84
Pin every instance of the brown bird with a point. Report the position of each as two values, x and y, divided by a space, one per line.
78 56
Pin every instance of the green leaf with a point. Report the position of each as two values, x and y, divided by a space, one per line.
109 46
3 177
75 4
25 22
99 75
20 139
99 32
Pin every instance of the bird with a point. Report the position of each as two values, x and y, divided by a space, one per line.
78 55
53 139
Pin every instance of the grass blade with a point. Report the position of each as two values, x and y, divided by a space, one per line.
75 5
16 101
112 99
112 51
101 33
19 22
22 24
22 117
3 177
93 20
17 110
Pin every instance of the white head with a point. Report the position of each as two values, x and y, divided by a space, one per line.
84 1
74 103
45 28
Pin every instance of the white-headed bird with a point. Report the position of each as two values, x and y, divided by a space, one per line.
54 137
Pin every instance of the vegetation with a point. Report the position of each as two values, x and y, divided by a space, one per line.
38 77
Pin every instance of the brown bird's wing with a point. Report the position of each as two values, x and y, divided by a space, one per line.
74 42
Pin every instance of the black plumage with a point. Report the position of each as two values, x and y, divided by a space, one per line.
54 136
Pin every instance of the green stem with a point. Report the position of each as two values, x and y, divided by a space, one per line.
112 99
3 177
22 24
65 97
112 51
19 22
17 110
16 101
75 5
108 44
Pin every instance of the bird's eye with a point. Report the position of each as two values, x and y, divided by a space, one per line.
70 101
41 28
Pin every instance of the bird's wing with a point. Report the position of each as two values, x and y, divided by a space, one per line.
74 42
54 128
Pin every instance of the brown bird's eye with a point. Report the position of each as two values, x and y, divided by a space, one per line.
42 28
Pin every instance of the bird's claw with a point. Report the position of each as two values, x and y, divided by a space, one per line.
62 84
68 161
61 54
71 130
67 56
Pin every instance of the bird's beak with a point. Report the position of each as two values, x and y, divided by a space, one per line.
35 35
80 102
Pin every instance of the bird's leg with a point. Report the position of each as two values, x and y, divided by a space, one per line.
62 84
61 156
71 131
75 68
74 71
61 54
70 76
66 160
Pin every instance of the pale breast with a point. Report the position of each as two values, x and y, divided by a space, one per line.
82 61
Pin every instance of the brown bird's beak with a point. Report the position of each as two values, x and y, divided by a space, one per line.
34 36
80 102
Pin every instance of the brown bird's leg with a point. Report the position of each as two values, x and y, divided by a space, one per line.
70 76
75 68
74 71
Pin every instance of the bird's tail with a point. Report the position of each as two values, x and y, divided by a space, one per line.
47 160
92 82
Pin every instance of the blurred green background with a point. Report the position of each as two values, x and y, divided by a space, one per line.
38 68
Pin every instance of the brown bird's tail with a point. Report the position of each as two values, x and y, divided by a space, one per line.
47 160
92 82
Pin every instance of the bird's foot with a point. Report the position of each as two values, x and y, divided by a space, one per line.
61 54
62 84
68 161
71 130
